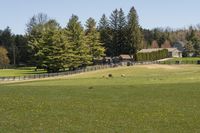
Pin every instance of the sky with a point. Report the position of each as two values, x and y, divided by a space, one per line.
152 13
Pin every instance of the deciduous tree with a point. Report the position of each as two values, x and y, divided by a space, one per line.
4 60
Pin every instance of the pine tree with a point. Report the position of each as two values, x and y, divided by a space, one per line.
93 40
122 41
76 38
105 37
51 47
114 25
118 26
22 55
135 37
7 41
55 50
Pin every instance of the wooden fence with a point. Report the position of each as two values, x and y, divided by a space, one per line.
89 69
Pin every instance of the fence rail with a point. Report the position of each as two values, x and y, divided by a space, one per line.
89 69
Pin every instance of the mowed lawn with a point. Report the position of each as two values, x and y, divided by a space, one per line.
149 99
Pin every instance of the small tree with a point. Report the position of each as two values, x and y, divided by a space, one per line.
4 60
189 48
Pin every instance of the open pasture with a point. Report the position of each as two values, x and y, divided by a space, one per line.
147 98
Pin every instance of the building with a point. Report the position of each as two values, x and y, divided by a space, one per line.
179 45
172 52
125 59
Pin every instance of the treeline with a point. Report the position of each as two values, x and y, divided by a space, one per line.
55 48
189 38
152 56
121 34
16 47
48 45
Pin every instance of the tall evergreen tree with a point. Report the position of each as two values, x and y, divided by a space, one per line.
114 25
122 41
93 39
76 37
22 54
118 27
51 47
105 37
7 41
55 47
135 37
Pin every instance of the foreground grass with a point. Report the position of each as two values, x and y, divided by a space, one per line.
19 72
165 100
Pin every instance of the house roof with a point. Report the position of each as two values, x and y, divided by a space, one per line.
149 50
107 58
179 45
173 49
125 56
157 49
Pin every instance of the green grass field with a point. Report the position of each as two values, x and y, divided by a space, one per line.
184 60
20 72
150 99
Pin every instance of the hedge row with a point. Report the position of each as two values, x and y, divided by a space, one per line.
152 56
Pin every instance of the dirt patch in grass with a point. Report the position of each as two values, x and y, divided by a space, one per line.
157 66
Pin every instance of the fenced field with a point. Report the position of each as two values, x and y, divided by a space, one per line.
141 98
30 73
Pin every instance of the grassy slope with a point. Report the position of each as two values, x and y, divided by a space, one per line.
146 100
